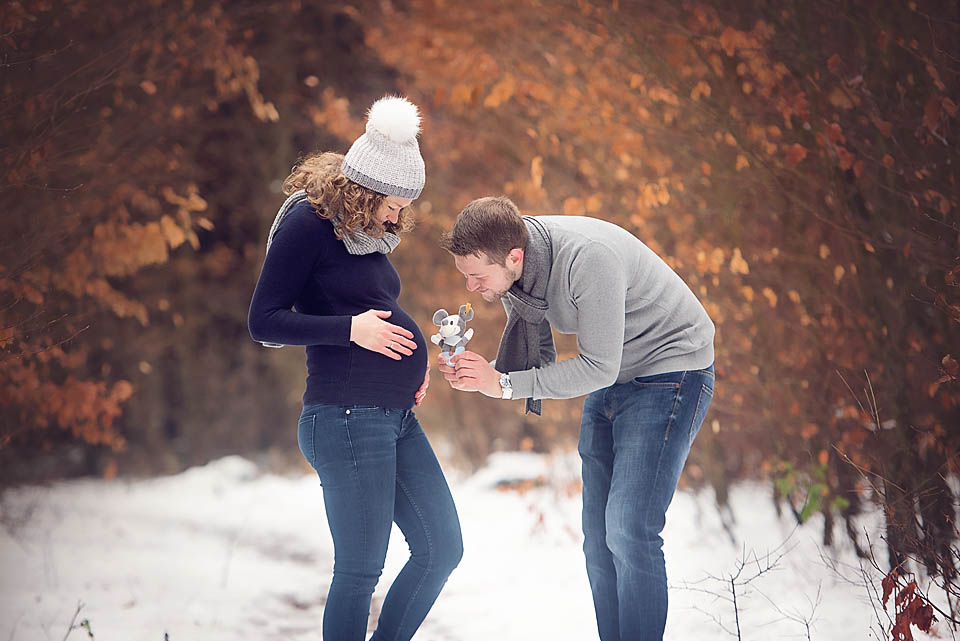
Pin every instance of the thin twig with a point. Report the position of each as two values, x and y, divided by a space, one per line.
864 472
72 625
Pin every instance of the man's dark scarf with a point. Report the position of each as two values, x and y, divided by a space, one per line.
520 344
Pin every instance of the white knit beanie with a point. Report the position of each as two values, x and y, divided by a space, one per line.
387 157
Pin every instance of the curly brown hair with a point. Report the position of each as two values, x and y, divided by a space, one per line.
350 206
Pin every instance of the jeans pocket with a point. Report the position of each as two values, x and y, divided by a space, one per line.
306 429
703 403
362 409
654 401
709 378
668 380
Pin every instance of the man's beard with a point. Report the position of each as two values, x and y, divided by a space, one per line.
493 296
514 277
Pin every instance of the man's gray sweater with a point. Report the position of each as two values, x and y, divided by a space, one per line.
632 314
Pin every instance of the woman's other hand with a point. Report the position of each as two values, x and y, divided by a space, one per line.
370 331
422 392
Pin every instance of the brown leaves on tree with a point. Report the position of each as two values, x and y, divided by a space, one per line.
910 608
100 176
795 154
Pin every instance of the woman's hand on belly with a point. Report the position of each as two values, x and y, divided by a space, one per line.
422 392
370 331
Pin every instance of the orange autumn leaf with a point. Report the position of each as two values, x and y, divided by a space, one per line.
701 89
771 296
172 232
950 365
737 263
835 133
594 203
573 206
795 154
844 158
536 171
885 127
931 113
949 106
501 92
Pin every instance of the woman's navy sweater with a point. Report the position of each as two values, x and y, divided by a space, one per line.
309 269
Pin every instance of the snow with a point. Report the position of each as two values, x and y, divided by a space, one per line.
225 551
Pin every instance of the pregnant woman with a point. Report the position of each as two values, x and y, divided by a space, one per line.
366 370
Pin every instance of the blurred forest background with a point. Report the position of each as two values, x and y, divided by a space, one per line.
796 162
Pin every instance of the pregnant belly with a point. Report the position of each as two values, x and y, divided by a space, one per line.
406 373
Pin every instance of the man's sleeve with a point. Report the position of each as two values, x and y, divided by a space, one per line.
598 288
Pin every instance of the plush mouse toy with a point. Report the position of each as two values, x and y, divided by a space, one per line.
453 334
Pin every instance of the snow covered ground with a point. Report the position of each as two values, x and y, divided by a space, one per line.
224 551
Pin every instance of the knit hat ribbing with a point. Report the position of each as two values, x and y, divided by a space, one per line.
386 158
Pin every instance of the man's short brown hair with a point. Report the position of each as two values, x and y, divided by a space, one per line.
490 225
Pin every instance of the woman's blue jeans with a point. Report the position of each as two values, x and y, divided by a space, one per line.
376 468
634 441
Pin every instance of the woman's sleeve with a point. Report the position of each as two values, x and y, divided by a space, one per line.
297 245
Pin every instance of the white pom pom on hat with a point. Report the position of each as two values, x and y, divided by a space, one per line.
386 158
396 118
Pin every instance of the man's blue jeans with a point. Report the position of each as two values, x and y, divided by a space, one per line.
634 441
377 467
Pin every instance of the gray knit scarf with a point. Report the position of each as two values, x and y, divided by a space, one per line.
358 244
520 344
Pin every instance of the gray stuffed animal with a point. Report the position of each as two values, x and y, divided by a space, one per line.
453 335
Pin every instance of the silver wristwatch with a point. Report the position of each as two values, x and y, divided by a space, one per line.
506 387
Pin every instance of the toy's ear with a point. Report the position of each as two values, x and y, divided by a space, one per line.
466 313
439 315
